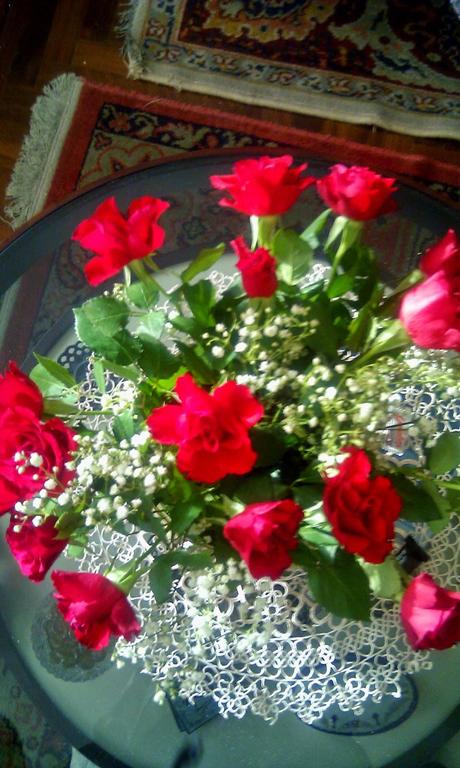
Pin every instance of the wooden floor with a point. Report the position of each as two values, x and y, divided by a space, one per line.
40 39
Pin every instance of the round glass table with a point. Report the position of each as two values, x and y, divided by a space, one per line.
107 712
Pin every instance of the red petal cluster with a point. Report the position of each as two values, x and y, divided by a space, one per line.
357 193
266 186
258 269
35 548
430 311
22 430
264 534
116 240
361 509
95 608
211 429
430 614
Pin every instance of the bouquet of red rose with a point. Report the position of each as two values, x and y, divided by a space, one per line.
247 432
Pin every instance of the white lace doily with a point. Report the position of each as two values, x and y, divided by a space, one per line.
265 646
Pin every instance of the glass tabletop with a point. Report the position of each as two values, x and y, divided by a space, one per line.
108 712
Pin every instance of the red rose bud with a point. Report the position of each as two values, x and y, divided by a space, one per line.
95 608
35 548
444 255
362 510
430 615
266 186
258 269
430 312
357 193
30 449
211 430
116 240
264 535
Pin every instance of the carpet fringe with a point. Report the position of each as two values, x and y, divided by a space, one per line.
51 116
130 28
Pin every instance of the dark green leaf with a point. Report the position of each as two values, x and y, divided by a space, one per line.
260 486
205 260
192 561
418 504
269 444
391 338
157 361
196 365
308 495
201 298
444 456
341 586
339 285
184 514
161 578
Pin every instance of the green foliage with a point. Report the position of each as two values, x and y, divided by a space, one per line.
205 260
142 294
444 456
293 254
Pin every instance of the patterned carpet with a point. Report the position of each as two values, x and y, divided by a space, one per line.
395 63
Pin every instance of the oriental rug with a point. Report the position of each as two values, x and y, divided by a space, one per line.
82 133
392 63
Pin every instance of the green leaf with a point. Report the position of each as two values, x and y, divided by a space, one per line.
187 325
53 407
98 371
56 371
310 234
205 260
325 338
195 364
50 387
192 561
269 444
201 298
293 255
148 522
100 323
260 486
341 586
444 456
142 295
157 361
391 338
67 523
418 504
151 326
161 578
339 285
335 230
317 537
184 514
385 579
308 496
123 426
123 371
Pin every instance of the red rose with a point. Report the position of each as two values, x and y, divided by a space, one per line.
444 255
116 240
211 430
18 391
258 269
95 608
34 547
430 312
430 614
357 193
362 510
30 449
264 535
266 186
